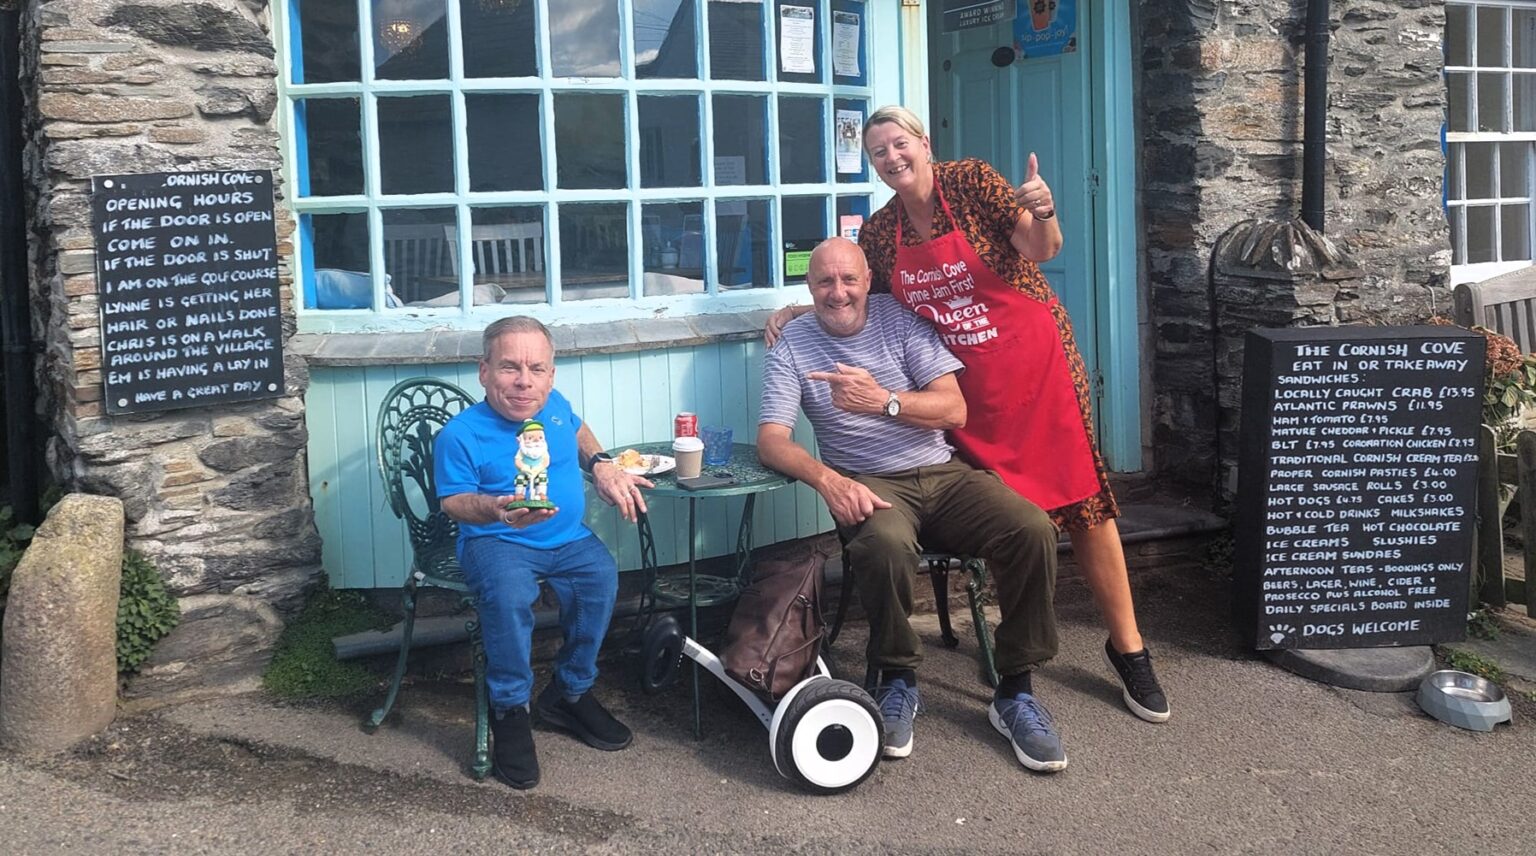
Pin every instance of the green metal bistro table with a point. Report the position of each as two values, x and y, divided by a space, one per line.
701 590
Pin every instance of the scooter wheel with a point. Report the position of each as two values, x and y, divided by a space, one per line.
661 655
829 736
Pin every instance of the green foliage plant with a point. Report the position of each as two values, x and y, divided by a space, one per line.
304 664
14 538
1511 387
1481 624
1510 384
145 611
1466 661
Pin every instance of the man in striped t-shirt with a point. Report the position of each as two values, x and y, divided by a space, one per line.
879 389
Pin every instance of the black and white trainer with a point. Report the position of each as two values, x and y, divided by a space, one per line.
1140 689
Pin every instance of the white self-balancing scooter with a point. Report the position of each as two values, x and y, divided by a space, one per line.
824 735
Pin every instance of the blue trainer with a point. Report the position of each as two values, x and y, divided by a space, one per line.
898 704
1027 725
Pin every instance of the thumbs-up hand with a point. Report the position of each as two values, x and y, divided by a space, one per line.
1034 194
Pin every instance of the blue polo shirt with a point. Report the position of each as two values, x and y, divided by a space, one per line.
476 453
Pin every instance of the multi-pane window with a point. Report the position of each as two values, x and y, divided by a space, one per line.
463 153
1490 71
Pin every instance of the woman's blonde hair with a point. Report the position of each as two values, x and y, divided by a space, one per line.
898 115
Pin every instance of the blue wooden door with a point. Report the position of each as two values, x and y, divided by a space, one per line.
1003 112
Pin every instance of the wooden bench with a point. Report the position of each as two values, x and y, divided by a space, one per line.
1505 304
1518 591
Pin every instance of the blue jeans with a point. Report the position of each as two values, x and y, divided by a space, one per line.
505 579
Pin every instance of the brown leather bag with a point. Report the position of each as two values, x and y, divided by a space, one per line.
775 633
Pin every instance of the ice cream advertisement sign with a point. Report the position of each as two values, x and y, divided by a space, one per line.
1045 28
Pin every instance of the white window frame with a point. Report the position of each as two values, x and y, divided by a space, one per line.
1456 203
881 73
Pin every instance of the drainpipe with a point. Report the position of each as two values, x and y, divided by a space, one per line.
1314 147
914 58
15 324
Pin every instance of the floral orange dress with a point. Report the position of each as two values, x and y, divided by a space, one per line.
981 202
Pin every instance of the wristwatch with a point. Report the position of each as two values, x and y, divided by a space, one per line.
892 405
598 458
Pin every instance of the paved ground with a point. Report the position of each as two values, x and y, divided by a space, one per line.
1255 760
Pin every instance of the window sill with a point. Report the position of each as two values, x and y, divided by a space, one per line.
461 346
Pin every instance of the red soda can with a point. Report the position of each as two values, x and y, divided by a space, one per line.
685 425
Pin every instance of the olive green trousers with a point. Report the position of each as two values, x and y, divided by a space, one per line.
954 508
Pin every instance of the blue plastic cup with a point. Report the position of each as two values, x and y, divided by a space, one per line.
717 445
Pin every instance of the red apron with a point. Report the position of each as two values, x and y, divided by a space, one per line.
1023 416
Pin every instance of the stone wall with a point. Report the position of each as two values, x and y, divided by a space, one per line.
216 497
1220 100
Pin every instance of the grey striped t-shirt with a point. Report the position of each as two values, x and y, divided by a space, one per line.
902 352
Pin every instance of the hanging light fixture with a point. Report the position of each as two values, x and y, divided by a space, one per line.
398 33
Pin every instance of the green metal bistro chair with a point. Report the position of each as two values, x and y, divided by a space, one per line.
409 418
939 565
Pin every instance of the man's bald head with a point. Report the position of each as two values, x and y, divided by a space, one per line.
839 283
836 248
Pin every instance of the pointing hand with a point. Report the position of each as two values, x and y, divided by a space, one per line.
853 389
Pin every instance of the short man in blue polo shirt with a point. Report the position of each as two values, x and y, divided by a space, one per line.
505 552
879 389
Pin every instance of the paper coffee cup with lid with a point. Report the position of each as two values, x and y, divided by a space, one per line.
689 452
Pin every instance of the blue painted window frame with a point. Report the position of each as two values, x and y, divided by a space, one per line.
880 82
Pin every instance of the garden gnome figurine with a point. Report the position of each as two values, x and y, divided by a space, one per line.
532 483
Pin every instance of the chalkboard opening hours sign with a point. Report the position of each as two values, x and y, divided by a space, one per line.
1357 485
186 271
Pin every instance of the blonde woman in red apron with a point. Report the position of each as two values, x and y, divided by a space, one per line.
959 245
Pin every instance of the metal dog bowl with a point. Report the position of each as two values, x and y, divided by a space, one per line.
1463 700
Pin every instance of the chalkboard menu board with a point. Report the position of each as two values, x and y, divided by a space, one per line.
186 270
1357 485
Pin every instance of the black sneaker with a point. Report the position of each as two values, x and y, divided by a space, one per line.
584 717
1142 693
513 759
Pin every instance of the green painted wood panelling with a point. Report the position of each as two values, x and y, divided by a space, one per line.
715 530
353 480
620 427
627 399
323 486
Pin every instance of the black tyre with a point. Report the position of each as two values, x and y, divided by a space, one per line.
661 655
829 738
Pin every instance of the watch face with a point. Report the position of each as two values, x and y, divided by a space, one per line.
892 406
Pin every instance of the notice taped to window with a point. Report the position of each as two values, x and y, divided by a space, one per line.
1357 485
186 270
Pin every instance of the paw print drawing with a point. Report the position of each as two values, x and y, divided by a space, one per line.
1283 635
